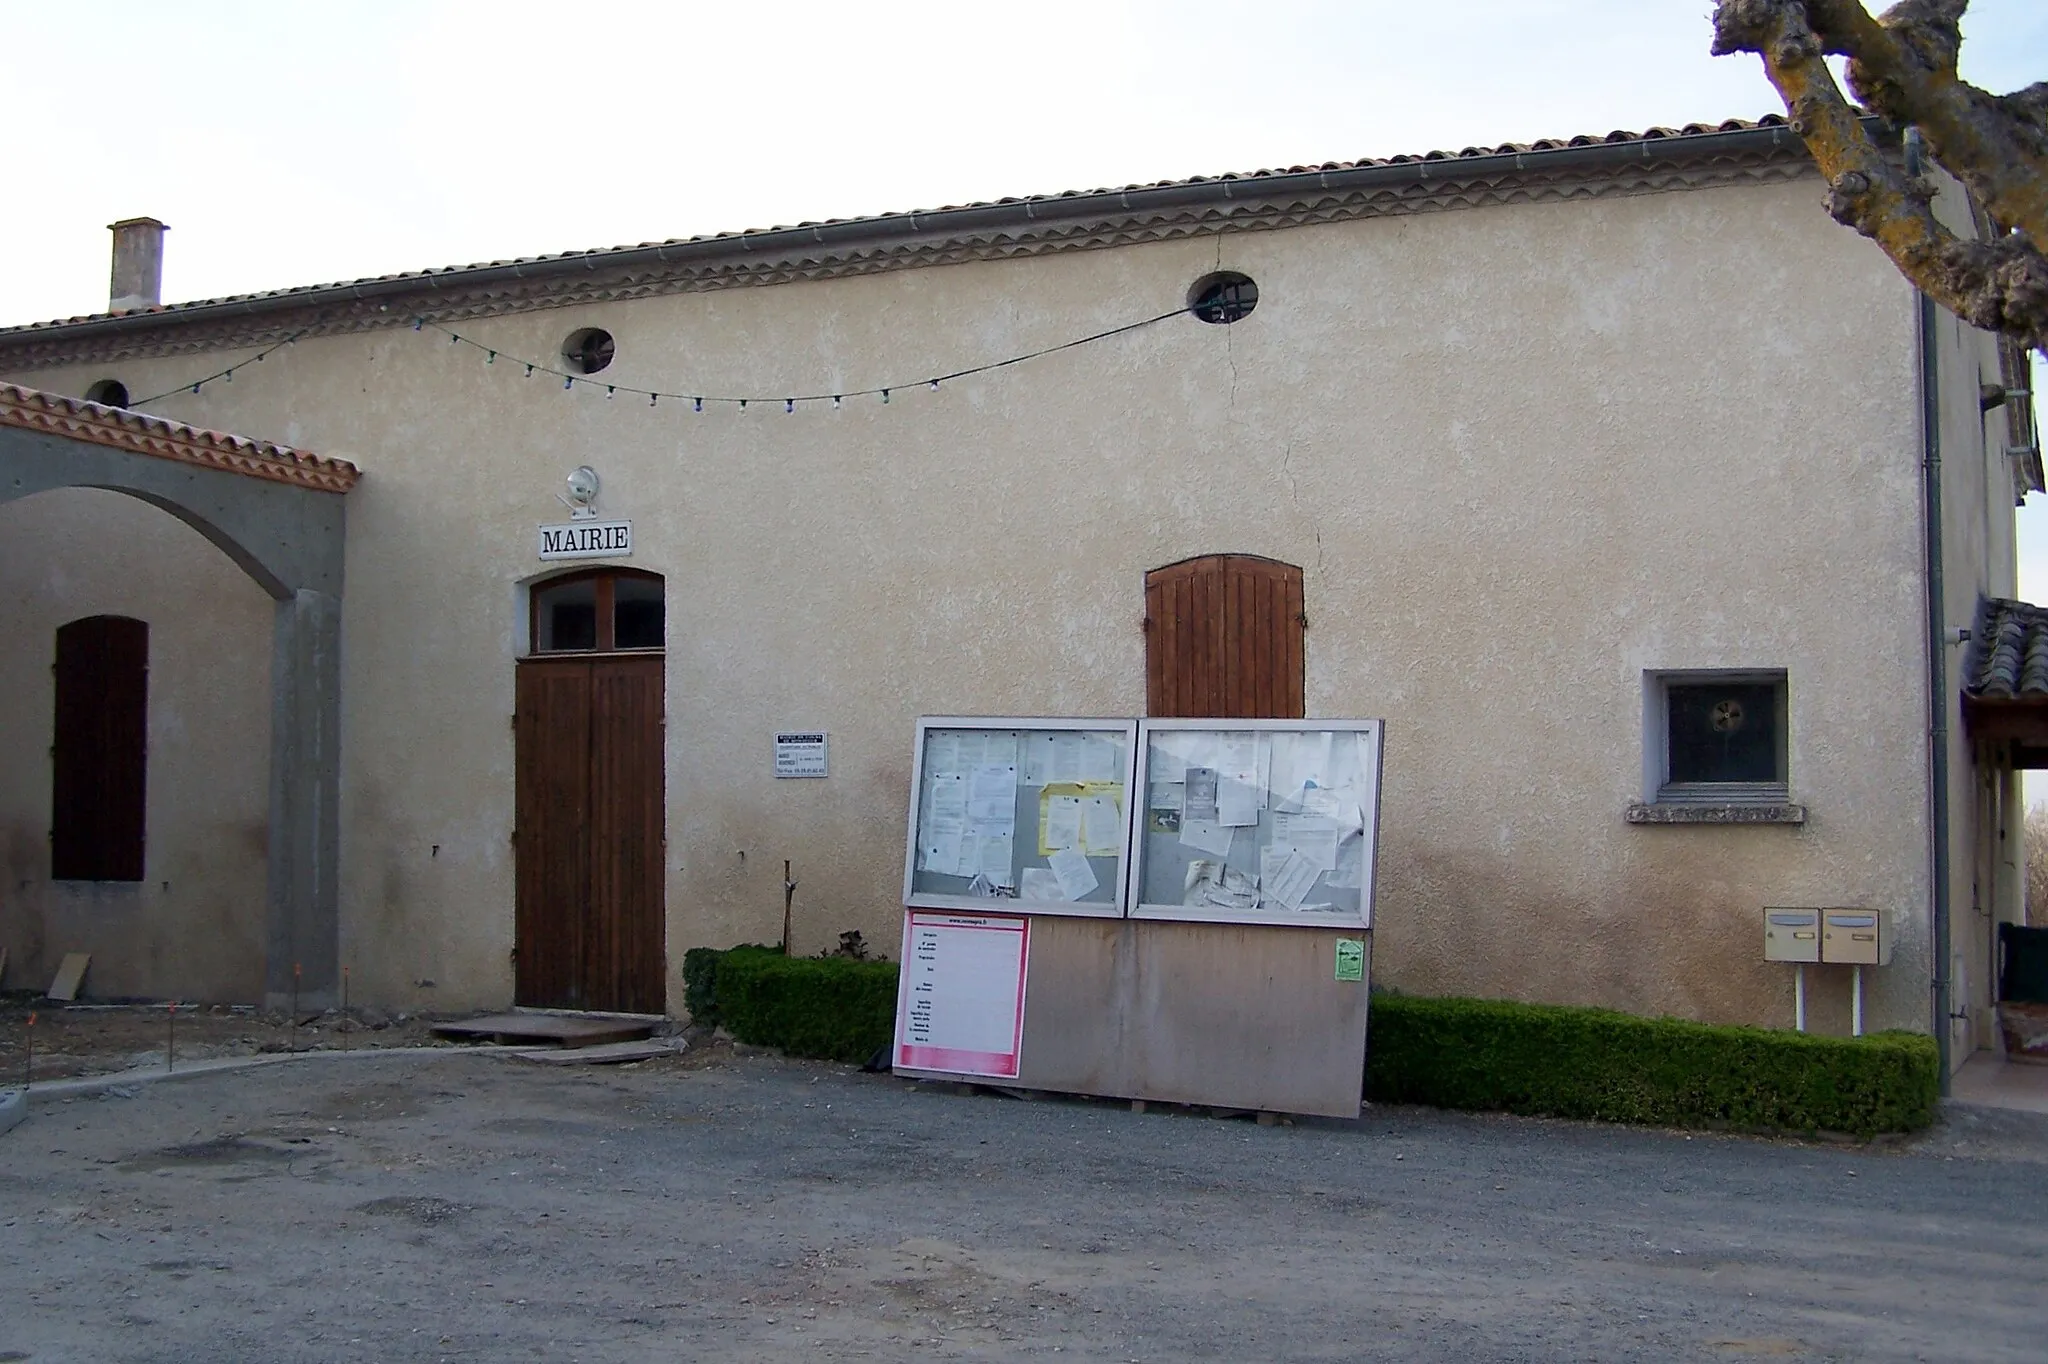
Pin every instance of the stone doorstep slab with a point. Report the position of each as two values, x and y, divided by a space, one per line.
603 1054
511 1030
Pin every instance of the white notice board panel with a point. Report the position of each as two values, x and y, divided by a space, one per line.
1258 821
1033 813
960 1001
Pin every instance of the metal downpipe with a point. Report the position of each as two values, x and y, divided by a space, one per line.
1937 659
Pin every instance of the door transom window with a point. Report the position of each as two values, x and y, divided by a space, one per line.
600 610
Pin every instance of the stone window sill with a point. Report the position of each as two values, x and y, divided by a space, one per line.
1716 812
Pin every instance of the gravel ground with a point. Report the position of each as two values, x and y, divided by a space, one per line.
460 1207
94 1039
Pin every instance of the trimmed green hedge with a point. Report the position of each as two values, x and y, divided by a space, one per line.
1537 1059
1595 1063
700 979
833 1009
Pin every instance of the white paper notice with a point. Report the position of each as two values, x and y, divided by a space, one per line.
1166 795
1076 877
963 996
1300 761
1207 835
1271 860
1102 827
941 752
993 859
1314 837
1288 880
1062 822
1101 760
940 851
1237 804
1237 753
999 748
1349 873
992 795
1067 757
1212 883
945 824
1339 807
1040 884
1034 760
1247 760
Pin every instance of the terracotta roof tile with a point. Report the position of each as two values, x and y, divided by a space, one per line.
119 429
1648 135
2008 657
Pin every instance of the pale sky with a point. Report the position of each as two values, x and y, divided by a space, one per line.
301 141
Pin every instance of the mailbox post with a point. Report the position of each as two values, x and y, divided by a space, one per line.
1793 935
1854 938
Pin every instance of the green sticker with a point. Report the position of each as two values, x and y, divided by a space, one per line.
1350 959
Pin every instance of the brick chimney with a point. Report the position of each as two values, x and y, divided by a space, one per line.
138 278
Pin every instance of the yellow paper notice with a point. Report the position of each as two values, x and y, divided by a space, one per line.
1086 816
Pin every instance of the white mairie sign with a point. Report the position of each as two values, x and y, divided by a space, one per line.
587 540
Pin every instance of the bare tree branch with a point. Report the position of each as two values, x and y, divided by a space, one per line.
1903 66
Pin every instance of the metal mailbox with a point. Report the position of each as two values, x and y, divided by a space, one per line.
1854 937
1791 934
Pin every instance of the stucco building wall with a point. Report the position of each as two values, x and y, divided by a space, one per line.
1979 559
194 925
1523 454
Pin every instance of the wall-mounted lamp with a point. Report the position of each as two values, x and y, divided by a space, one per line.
581 499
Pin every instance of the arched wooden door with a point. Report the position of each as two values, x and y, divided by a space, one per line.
1224 635
588 803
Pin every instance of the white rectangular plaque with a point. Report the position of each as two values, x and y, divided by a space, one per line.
801 754
587 540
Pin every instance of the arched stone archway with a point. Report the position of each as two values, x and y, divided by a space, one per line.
279 514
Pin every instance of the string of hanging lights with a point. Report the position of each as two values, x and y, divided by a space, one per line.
696 401
224 376
788 402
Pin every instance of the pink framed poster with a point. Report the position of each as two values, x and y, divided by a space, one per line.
960 1003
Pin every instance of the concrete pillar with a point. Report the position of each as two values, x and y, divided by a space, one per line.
305 803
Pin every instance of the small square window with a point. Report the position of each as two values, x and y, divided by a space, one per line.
1720 737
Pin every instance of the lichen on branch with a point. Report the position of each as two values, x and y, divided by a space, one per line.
1902 66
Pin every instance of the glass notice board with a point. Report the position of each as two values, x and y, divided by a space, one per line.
1034 813
1258 821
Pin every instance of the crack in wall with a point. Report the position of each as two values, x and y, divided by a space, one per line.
1294 492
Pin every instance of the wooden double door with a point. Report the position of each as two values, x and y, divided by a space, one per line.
588 839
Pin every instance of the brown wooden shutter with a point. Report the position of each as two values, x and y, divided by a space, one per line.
1224 637
100 750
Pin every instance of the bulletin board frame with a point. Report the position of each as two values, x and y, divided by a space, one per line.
1012 900
1142 839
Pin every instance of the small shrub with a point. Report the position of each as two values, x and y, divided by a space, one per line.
1564 1062
852 946
828 1008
